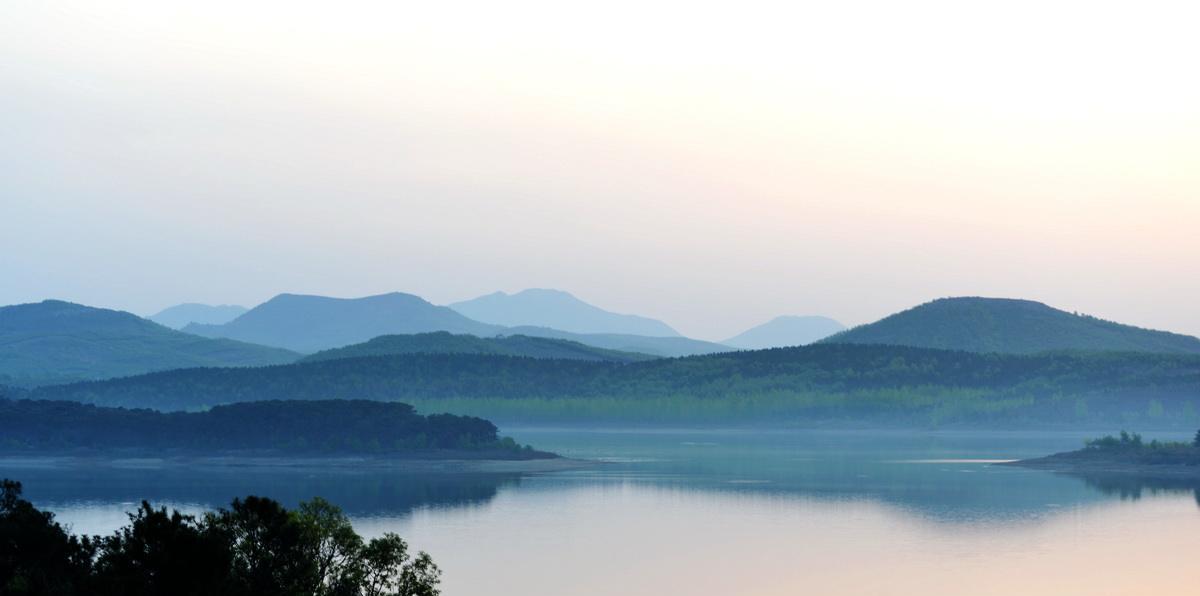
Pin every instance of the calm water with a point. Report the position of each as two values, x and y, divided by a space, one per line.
730 513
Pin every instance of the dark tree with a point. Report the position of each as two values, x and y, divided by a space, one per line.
163 554
389 570
272 551
314 551
254 548
37 556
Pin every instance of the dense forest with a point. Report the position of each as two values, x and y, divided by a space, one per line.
324 426
824 382
256 547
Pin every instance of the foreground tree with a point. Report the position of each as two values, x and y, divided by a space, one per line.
162 553
255 548
348 565
389 570
37 556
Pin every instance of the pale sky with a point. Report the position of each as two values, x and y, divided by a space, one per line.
709 164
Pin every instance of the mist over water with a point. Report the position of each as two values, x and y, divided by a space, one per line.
731 512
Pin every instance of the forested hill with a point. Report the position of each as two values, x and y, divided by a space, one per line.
1010 326
443 342
837 380
55 341
304 427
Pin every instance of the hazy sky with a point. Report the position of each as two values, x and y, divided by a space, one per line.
712 165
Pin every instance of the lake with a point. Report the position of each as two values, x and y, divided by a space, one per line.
728 513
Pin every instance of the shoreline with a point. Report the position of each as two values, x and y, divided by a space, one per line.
1069 463
12 462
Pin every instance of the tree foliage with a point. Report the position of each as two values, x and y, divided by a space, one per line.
255 548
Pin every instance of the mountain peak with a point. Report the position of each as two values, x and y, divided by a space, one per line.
557 309
784 331
182 315
307 323
54 315
982 324
55 340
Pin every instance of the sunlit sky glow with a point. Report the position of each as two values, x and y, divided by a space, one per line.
713 165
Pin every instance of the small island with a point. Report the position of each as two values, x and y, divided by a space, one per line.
301 429
1126 453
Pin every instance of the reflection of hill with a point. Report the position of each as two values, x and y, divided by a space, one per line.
1133 487
921 479
942 477
374 492
955 492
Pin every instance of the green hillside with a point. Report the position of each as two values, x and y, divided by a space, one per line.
443 342
55 341
856 384
1010 326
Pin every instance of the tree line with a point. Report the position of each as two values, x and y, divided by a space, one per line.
317 426
256 547
824 380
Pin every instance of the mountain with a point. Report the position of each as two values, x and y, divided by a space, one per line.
838 384
55 341
666 347
557 310
442 342
1011 326
785 331
311 323
180 315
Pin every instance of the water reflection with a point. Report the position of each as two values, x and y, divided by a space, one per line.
941 477
945 477
1133 488
358 492
717 513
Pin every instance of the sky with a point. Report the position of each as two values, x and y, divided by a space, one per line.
709 164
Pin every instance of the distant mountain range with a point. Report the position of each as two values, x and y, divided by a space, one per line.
1010 326
55 341
443 342
557 310
785 331
311 323
180 315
